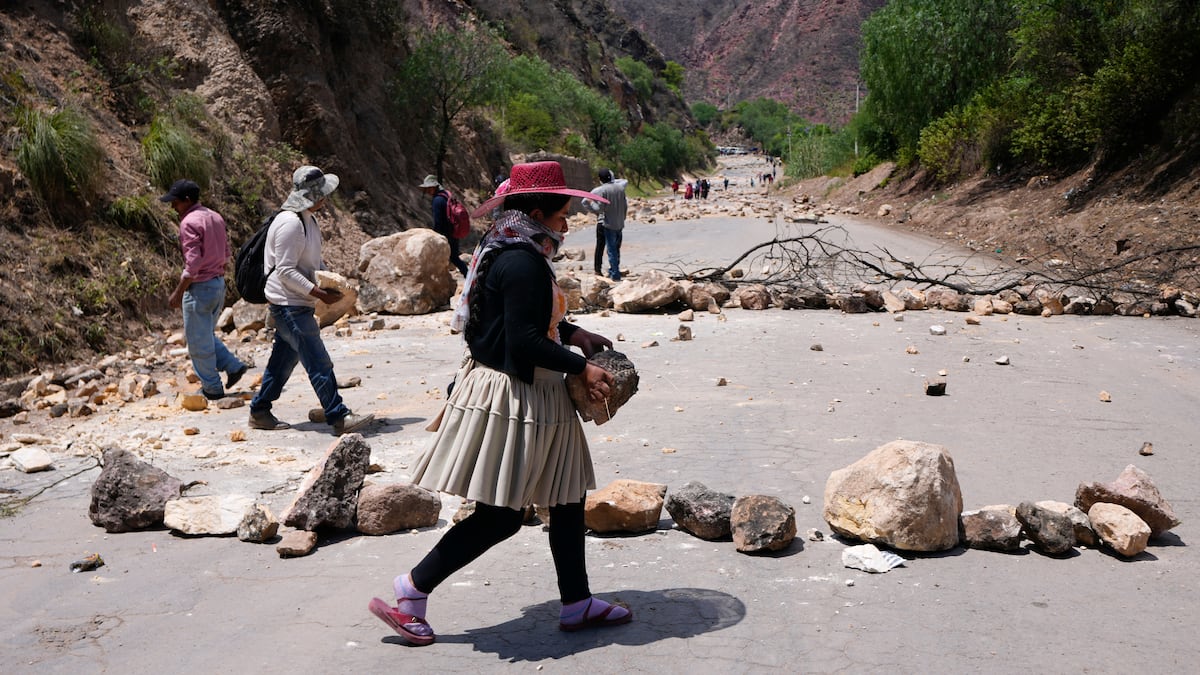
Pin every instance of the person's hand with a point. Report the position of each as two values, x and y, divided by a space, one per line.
326 295
598 381
176 299
588 342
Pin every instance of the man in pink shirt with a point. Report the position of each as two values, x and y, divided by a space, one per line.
201 288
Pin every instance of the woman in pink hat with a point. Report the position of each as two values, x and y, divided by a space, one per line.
509 435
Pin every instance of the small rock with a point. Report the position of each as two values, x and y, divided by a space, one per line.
193 402
911 349
814 534
1002 361
937 330
237 435
296 543
190 431
935 388
721 382
817 347
1105 397
1147 448
685 333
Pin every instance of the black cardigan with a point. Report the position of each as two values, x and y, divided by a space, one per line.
515 314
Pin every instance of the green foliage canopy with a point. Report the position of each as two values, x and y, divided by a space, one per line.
447 73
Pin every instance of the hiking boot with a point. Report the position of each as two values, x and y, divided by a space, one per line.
214 397
266 420
232 377
352 422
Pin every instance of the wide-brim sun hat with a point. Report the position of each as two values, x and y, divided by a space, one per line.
310 185
532 178
430 181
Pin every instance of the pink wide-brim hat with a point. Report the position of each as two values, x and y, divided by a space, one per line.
534 177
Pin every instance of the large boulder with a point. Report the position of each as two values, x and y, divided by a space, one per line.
383 509
405 273
1134 490
762 523
328 496
1119 528
625 506
903 494
1052 532
700 511
650 291
211 515
130 494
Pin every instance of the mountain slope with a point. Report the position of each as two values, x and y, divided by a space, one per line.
801 52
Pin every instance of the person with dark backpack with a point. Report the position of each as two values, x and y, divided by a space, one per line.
446 206
292 254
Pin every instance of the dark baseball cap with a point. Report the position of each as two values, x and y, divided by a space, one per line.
182 189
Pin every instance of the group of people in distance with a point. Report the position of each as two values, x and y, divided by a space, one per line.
511 314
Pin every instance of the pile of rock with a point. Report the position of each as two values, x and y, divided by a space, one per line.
131 494
655 290
905 495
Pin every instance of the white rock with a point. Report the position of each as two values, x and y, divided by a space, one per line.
868 558
32 459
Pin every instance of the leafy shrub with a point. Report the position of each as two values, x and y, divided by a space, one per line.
59 154
172 152
639 75
527 122
704 113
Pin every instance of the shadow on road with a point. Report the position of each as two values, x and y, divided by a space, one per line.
658 615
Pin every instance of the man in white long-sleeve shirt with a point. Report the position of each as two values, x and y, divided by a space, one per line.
293 256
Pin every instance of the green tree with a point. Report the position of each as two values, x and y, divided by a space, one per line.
923 57
447 73
672 74
705 113
639 75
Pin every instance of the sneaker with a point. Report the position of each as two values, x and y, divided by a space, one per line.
232 377
214 397
352 422
266 420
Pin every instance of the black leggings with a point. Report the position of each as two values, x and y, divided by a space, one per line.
599 248
489 525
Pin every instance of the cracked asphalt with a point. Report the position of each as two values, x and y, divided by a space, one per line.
787 417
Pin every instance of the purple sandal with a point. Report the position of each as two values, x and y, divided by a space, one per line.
599 620
399 622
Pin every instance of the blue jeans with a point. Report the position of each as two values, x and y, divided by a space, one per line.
298 340
202 304
612 238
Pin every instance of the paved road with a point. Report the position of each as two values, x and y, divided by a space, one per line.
788 417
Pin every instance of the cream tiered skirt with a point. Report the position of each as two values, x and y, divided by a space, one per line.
507 443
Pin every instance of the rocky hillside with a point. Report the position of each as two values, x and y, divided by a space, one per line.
269 86
801 52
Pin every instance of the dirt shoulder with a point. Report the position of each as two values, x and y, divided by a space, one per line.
1142 228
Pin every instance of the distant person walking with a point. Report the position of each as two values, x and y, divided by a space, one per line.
441 220
293 254
201 288
610 220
